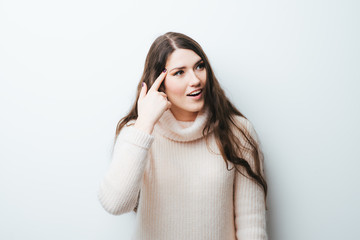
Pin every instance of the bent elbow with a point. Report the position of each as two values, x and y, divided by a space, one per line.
114 202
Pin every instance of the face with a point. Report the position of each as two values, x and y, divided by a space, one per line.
186 74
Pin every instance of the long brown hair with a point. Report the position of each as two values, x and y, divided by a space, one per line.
222 111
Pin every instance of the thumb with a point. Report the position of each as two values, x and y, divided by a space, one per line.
143 90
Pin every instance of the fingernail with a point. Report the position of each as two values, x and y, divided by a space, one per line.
164 70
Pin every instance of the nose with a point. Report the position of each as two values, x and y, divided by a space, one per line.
194 80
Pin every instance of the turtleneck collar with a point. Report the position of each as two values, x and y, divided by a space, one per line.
172 129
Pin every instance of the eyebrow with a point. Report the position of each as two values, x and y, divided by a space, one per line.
185 67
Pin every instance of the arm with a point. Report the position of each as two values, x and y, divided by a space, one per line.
249 203
119 189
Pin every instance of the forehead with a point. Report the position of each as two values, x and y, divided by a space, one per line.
182 57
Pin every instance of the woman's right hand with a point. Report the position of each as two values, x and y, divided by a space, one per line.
151 105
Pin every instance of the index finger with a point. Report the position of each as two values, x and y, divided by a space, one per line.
158 81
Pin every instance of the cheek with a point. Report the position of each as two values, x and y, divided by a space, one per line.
174 88
203 76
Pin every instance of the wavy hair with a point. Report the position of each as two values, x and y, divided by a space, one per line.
222 111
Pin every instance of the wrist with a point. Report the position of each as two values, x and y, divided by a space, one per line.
144 126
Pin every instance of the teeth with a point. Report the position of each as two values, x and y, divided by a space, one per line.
194 93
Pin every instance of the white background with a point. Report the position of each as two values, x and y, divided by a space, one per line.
69 71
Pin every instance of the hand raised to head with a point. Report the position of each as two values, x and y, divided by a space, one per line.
151 104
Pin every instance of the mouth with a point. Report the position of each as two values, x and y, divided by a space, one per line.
195 93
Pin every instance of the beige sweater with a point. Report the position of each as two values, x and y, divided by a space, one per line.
186 191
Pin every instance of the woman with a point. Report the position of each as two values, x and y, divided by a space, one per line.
172 153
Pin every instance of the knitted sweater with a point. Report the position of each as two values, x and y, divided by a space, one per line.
182 188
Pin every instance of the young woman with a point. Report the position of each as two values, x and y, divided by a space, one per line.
173 150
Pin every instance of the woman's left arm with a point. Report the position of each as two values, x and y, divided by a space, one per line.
249 204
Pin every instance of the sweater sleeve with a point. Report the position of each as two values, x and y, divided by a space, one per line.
249 203
119 189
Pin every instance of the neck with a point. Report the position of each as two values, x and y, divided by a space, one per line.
171 128
184 116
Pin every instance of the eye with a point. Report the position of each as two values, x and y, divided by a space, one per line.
178 72
201 65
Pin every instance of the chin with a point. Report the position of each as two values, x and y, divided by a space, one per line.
195 109
188 107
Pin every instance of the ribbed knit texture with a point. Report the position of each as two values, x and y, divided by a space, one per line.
186 192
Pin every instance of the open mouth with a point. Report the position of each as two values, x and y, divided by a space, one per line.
194 94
